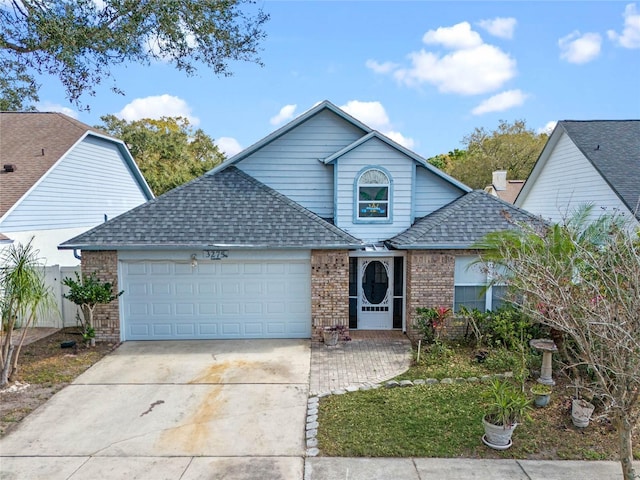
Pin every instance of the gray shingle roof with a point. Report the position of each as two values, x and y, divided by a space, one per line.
461 223
613 147
228 208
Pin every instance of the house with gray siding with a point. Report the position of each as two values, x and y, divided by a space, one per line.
593 162
323 222
59 178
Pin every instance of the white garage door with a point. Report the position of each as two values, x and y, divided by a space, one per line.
216 299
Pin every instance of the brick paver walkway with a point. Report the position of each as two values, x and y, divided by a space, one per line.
370 357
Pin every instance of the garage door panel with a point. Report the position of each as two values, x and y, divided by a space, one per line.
160 268
216 299
252 308
161 329
208 330
251 328
185 329
160 288
230 288
229 269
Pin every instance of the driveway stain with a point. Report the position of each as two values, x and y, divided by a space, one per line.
151 407
193 435
225 371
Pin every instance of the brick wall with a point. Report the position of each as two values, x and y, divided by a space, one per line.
329 289
106 318
430 283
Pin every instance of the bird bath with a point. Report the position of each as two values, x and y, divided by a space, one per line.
548 348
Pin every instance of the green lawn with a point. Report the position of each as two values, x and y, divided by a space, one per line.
426 421
444 420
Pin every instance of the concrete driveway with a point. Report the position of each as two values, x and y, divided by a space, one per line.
172 410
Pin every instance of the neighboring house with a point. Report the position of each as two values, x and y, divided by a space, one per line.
586 162
502 188
59 178
325 221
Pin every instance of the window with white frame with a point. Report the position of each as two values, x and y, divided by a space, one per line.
373 195
471 291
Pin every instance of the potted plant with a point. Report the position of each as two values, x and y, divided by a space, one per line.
541 394
581 411
507 406
332 334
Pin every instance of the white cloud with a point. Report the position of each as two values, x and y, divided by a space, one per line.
548 128
501 102
156 107
401 139
386 67
47 106
229 145
286 113
630 37
471 71
499 27
456 37
372 114
580 48
375 116
470 67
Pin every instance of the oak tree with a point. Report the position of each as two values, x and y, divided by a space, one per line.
168 151
80 41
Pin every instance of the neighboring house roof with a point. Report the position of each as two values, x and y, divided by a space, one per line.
228 209
509 194
34 142
461 223
612 147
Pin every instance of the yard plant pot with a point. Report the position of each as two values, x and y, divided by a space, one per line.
497 437
541 395
581 411
330 337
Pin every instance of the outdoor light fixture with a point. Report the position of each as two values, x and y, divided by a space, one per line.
194 260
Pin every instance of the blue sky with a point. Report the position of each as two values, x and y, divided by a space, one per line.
424 73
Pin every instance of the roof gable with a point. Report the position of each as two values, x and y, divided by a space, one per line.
405 151
228 209
461 223
611 146
34 142
322 106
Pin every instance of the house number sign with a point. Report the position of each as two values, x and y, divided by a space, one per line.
216 254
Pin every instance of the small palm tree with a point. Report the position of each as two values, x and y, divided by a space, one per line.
23 296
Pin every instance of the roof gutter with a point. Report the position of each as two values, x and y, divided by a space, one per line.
434 247
349 246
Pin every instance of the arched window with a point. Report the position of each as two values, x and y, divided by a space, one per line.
373 194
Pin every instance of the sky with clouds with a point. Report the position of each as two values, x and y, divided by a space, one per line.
424 73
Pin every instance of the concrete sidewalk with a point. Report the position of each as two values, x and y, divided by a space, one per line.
329 468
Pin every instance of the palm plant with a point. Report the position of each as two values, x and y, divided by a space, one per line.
23 296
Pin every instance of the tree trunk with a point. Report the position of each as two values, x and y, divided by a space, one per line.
4 375
626 451
14 369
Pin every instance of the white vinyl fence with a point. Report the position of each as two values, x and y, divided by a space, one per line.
65 314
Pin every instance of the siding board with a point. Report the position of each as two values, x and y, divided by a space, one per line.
432 192
93 180
374 153
553 197
292 163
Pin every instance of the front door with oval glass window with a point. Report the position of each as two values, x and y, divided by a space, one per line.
375 299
